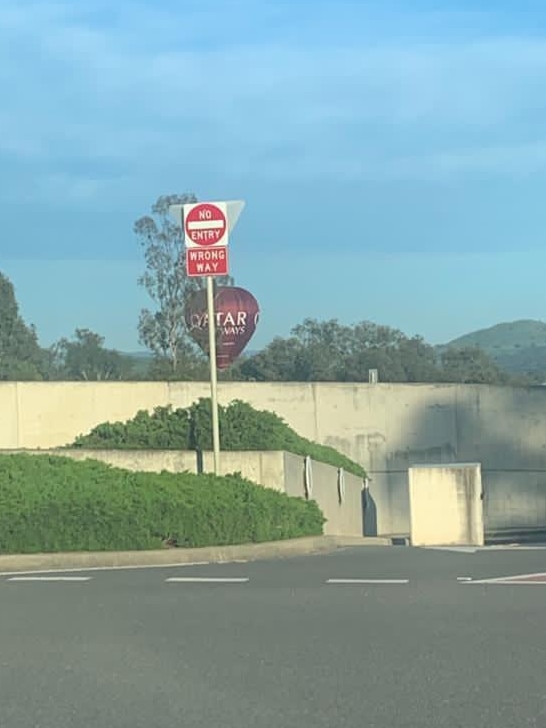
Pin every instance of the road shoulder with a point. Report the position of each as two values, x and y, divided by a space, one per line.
11 563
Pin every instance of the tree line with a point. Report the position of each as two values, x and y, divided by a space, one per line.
327 351
314 351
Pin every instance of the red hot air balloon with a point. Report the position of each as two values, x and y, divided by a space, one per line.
236 313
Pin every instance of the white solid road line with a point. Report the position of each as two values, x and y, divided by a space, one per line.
110 568
491 547
208 579
505 582
514 582
456 549
50 578
367 581
514 579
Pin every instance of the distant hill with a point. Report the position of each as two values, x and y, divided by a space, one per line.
137 354
506 337
518 346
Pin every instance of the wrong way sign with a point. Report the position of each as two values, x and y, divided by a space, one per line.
211 261
206 225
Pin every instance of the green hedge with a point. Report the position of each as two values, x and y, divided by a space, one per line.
52 504
241 428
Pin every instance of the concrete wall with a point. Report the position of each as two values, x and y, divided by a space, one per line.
264 468
146 461
344 515
52 414
278 470
515 501
9 415
446 505
386 427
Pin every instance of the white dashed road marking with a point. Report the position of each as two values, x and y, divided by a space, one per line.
367 581
208 579
50 578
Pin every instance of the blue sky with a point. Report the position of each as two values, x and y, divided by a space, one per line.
392 155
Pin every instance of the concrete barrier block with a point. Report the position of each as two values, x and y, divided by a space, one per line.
446 505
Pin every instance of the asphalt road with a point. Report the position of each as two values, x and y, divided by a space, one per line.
281 646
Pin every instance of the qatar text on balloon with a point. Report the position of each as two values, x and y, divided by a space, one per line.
236 314
228 322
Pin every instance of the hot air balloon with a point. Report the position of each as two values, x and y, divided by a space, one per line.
236 313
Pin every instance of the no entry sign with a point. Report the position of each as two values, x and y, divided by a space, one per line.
206 225
207 261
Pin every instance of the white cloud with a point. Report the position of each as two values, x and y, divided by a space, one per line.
147 88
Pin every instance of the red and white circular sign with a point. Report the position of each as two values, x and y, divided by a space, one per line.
205 225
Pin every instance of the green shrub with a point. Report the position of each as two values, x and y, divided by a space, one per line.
52 504
164 429
241 428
